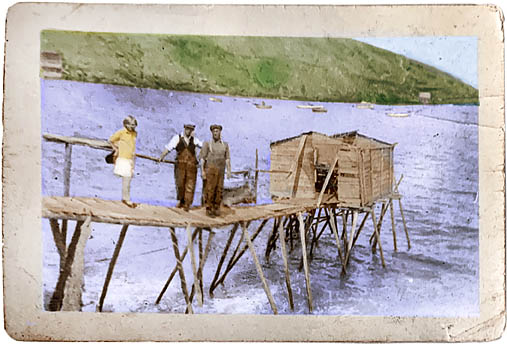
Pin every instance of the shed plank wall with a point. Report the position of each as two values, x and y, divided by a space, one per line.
376 172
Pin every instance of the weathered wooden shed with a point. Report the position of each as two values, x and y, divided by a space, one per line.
361 168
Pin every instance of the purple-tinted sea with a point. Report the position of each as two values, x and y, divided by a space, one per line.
437 153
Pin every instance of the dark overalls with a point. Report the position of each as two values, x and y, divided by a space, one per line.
185 172
215 155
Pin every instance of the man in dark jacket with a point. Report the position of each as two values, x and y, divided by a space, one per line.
214 157
185 170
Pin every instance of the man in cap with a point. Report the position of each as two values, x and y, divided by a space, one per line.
214 157
185 170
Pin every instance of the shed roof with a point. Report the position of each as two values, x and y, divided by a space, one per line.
273 143
338 135
357 134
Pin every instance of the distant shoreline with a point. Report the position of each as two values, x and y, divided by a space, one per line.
302 69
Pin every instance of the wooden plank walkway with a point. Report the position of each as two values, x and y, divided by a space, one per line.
115 212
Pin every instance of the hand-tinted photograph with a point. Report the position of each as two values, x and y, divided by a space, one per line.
260 175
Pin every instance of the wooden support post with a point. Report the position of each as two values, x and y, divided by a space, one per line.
352 229
305 262
181 271
326 181
60 244
332 224
256 178
377 236
345 220
379 226
214 283
295 163
291 237
307 224
173 273
259 268
315 230
112 263
271 239
404 223
66 183
326 224
362 189
67 169
360 228
391 208
205 256
201 254
296 168
235 258
283 249
73 289
196 285
55 304
202 261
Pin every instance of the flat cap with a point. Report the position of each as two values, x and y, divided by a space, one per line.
189 125
212 127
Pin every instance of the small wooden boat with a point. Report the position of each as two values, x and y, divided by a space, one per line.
214 99
398 114
262 105
319 110
310 107
364 105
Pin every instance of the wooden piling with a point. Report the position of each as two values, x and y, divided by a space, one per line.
60 242
404 223
66 183
201 267
201 254
283 249
305 262
259 268
307 224
181 271
234 258
271 241
332 224
363 222
349 247
345 217
196 284
173 273
383 211
55 304
256 178
315 230
72 297
222 258
391 209
112 263
377 235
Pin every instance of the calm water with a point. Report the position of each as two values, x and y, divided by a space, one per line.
436 153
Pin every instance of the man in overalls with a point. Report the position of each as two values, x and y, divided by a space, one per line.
185 170
214 157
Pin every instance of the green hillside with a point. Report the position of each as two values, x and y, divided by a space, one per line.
316 69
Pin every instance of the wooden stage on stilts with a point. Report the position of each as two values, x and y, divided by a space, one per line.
296 222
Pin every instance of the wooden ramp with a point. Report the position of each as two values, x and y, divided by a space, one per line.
115 212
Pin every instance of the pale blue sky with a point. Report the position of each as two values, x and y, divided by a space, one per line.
452 54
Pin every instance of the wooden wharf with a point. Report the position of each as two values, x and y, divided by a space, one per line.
302 220
298 220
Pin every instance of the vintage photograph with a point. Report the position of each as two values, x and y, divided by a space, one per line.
239 174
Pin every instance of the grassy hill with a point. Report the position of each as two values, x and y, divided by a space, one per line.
316 69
